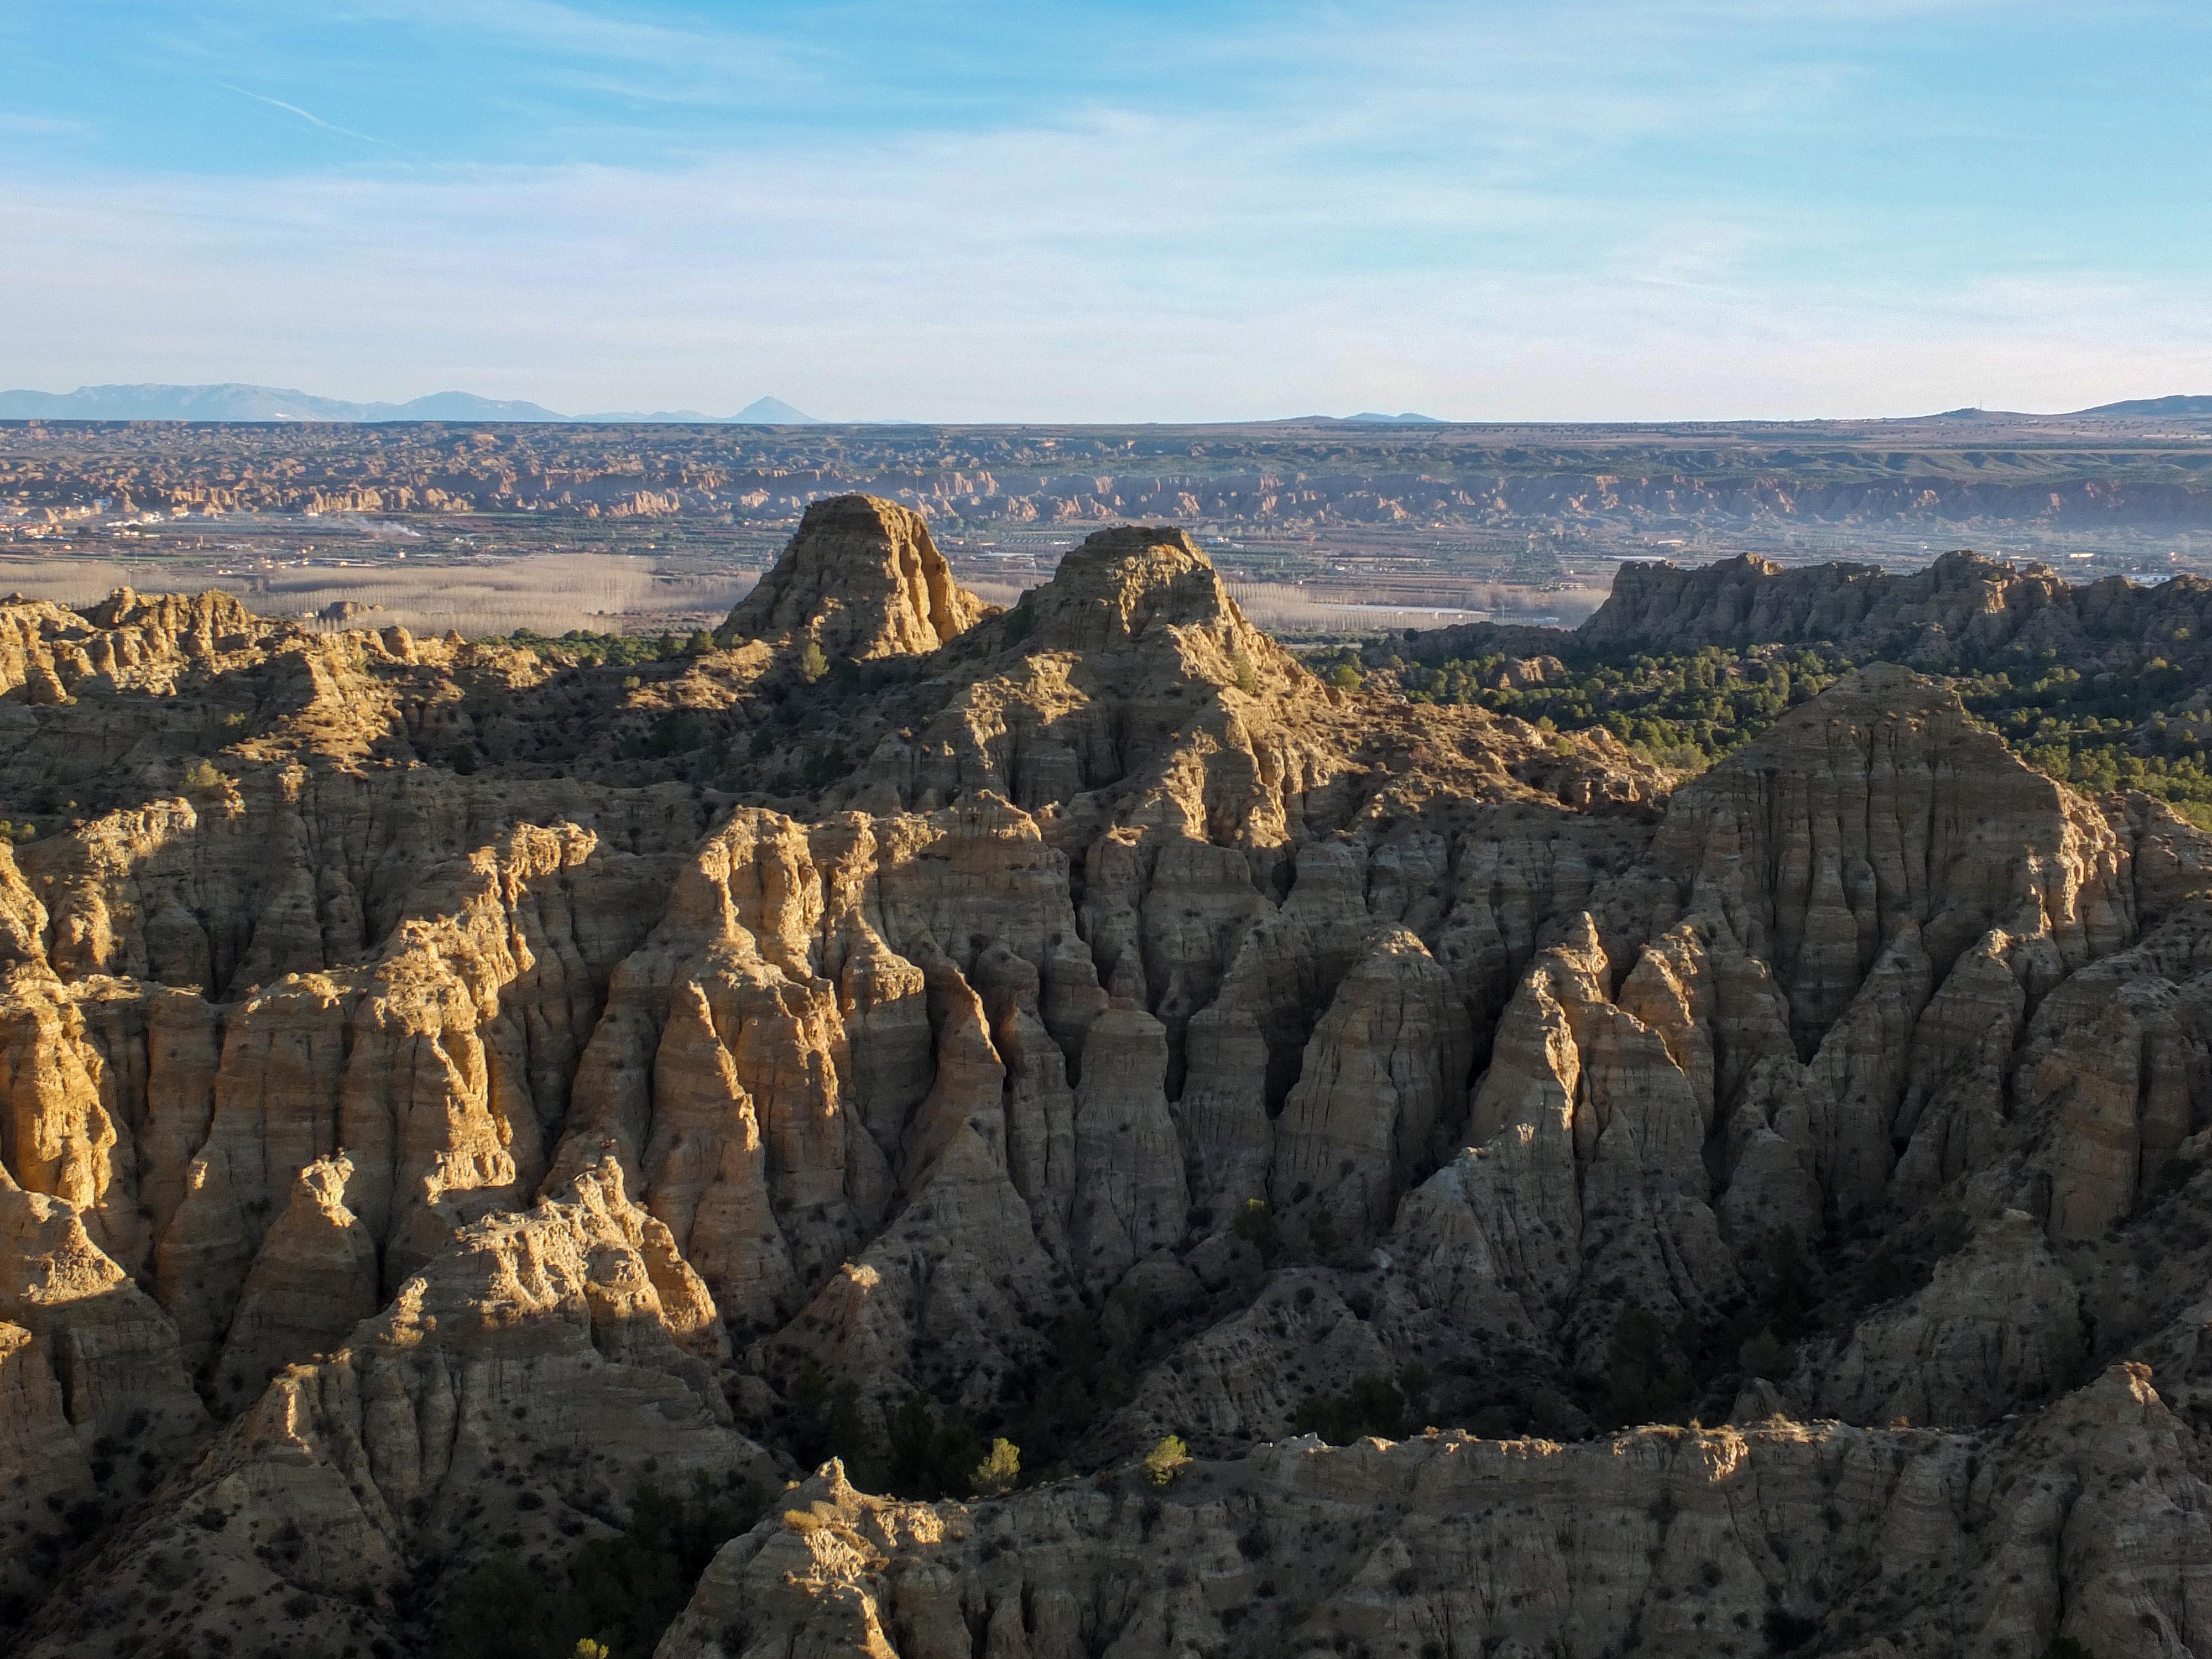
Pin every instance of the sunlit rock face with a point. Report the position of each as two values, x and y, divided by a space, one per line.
473 1083
861 579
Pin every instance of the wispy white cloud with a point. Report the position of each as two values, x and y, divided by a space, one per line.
549 26
42 126
1120 268
1481 210
706 59
307 116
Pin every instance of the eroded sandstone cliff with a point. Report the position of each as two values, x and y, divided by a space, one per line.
442 1086
1963 610
1768 1538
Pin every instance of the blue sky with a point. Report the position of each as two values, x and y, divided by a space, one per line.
1081 211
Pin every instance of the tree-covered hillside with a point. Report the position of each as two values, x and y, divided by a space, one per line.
2147 730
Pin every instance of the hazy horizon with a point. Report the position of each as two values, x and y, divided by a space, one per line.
1598 211
757 412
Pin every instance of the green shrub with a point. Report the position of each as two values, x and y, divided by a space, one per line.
1372 1405
928 1457
812 664
1167 1460
614 650
673 732
999 1471
1256 1225
826 768
619 1593
1647 1377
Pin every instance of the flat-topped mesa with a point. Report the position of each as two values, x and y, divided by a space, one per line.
861 579
1961 609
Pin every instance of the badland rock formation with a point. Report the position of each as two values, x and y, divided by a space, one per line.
1962 611
2141 473
446 1085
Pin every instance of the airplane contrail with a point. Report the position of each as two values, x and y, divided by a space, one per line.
306 115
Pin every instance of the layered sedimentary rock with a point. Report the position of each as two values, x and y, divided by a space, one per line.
525 1381
862 579
1961 610
114 1352
1999 1325
2085 1521
486 1054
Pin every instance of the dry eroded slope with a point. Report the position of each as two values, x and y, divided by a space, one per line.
404 1162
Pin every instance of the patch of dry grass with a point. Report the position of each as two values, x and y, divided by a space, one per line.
1282 608
550 592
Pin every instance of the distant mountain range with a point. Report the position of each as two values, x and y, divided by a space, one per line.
238 402
2133 406
235 402
270 403
1369 418
2155 406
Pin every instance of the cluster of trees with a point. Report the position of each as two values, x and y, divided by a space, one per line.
1658 1370
1380 1406
612 1598
2103 732
614 650
1096 1359
922 1454
1684 710
925 1452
